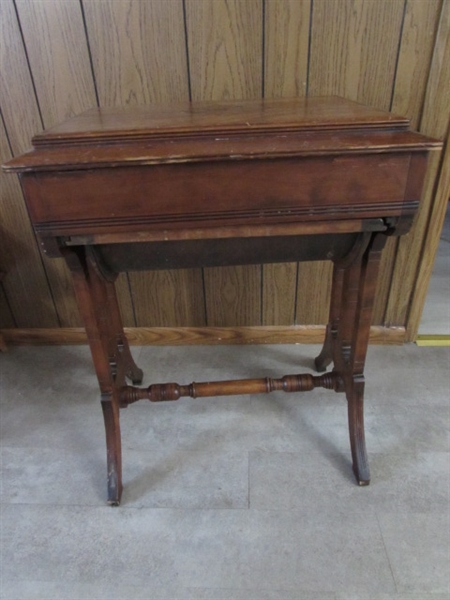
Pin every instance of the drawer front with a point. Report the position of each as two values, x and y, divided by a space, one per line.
219 193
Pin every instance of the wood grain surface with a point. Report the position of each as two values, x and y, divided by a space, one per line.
286 42
138 51
411 77
224 44
139 57
185 336
436 119
345 37
20 259
354 31
60 58
412 258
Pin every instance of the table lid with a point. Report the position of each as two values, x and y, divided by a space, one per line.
196 119
201 131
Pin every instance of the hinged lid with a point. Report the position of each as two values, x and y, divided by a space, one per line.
216 118
205 131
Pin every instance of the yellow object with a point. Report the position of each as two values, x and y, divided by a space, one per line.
433 340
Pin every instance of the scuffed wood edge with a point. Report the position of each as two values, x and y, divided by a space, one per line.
185 336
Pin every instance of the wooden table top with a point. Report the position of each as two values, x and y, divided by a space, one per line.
189 132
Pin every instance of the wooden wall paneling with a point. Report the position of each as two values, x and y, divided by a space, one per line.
181 304
354 49
417 250
225 61
139 57
279 288
286 41
22 117
19 251
57 50
57 47
413 66
25 275
225 45
353 53
233 296
313 294
17 98
416 50
436 111
138 51
430 246
24 279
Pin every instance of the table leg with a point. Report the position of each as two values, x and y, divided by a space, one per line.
106 296
102 328
347 336
326 355
132 371
360 339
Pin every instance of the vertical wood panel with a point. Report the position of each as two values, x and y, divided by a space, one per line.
225 58
20 260
234 296
409 263
57 50
416 48
286 27
279 293
225 45
179 304
138 51
139 57
353 54
20 109
313 294
354 49
17 98
430 247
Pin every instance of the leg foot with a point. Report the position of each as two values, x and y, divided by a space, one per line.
113 449
356 429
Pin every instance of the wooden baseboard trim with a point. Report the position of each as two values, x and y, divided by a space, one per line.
183 336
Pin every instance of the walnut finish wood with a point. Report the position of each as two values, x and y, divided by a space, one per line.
172 391
232 185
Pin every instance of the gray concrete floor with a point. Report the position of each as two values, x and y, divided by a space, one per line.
246 498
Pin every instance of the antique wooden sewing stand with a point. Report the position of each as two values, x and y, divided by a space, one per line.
211 184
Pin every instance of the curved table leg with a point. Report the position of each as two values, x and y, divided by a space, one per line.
347 337
111 417
354 375
356 430
102 330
